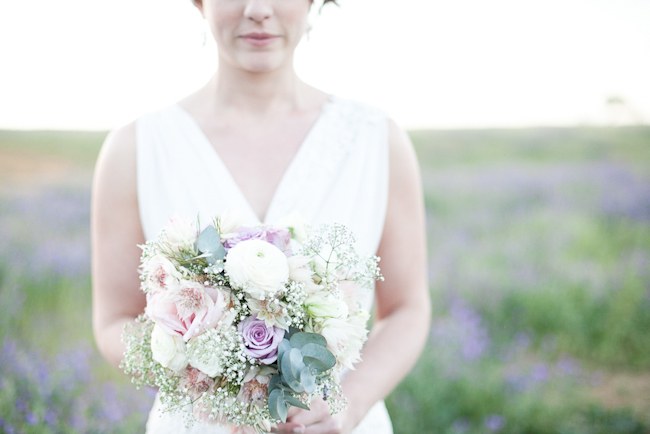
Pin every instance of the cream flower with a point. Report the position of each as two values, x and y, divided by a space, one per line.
230 221
168 350
257 267
204 354
300 271
180 233
160 274
345 337
323 304
296 225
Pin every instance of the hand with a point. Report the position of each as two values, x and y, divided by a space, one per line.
317 420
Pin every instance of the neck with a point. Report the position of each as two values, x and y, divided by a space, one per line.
275 91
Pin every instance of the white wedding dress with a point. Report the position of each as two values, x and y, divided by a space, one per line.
339 174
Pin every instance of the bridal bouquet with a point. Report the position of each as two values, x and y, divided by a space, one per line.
243 322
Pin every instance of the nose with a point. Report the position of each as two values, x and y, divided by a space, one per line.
258 10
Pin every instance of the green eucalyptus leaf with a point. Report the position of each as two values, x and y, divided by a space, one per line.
318 357
295 361
292 400
292 331
293 384
307 380
275 382
209 243
298 340
282 348
290 368
277 406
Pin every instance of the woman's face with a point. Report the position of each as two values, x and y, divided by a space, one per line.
256 35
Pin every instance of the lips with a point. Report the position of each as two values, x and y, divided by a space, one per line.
259 38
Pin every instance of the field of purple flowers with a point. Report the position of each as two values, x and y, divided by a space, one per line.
539 249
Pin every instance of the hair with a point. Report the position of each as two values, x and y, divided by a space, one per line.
324 2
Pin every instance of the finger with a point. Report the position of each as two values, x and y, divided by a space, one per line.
289 428
318 412
327 426
293 411
311 417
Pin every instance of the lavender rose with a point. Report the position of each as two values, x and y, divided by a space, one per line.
260 340
279 237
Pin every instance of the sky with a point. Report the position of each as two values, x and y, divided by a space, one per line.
80 64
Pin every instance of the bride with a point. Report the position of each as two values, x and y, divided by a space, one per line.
259 140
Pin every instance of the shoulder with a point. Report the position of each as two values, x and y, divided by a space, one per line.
404 166
119 146
115 169
121 142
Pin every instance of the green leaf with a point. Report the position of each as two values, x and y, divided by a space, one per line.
295 361
277 405
318 357
292 400
298 340
292 331
290 369
209 243
282 348
307 380
275 382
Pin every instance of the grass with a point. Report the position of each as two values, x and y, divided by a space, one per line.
539 254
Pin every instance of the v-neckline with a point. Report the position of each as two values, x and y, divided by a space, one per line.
285 178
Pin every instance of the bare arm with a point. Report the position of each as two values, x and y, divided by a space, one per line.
403 305
115 234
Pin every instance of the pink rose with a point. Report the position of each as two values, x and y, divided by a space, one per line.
279 237
187 310
260 341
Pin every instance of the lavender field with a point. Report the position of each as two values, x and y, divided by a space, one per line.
539 253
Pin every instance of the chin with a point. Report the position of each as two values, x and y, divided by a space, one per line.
263 62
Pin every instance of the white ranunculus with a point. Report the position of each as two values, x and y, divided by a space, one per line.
257 267
323 304
168 350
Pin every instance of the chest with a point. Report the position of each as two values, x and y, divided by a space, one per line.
258 154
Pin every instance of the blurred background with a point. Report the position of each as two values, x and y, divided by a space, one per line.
530 120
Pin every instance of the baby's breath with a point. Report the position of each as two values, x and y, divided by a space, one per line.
295 299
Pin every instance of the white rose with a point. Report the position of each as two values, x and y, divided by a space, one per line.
168 350
160 274
325 305
257 267
205 354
